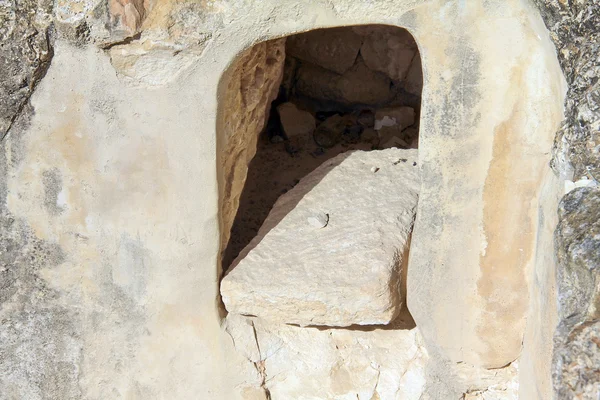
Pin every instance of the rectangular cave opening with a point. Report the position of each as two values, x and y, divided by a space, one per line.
347 89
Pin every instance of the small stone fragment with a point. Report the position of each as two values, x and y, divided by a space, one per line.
371 136
366 118
329 133
401 117
276 139
295 122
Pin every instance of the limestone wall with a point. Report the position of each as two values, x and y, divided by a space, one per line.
111 197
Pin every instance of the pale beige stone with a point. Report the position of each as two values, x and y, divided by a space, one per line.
345 273
143 167
295 122
333 49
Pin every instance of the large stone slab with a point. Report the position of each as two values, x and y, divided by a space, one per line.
387 49
334 49
330 251
358 85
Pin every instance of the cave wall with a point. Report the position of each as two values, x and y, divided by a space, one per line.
110 190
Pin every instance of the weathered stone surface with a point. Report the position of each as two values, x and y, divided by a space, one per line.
476 232
345 273
578 251
359 85
387 49
333 49
366 364
576 370
577 363
575 30
25 54
309 363
143 164
252 83
295 122
128 13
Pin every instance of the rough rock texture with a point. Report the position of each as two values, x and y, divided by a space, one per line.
387 49
294 121
252 84
358 85
469 292
369 363
345 273
577 340
40 345
137 217
575 30
332 49
25 54
577 363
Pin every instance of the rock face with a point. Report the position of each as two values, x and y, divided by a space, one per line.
116 200
310 363
575 30
332 49
345 273
577 342
252 84
25 54
577 363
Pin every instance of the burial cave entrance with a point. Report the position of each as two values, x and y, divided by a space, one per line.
291 104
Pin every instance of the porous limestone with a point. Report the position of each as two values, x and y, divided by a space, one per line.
251 87
348 272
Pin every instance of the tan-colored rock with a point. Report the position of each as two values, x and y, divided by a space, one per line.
359 85
295 122
333 49
251 85
345 273
387 49
129 14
